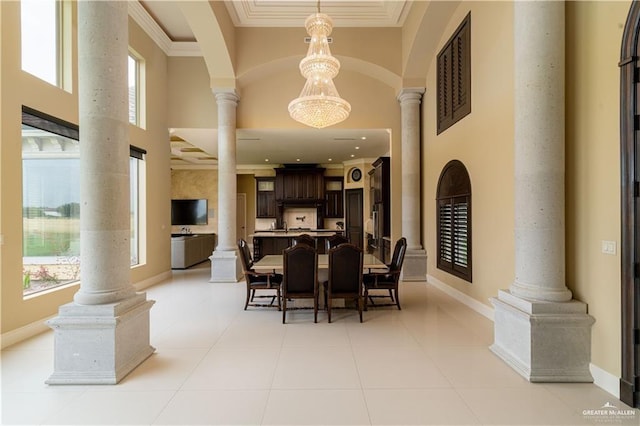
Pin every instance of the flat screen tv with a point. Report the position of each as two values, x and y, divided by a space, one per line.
189 212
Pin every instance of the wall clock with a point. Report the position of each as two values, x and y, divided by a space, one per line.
356 175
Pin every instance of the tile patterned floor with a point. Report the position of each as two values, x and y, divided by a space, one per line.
428 364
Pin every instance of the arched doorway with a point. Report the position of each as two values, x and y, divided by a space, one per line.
630 207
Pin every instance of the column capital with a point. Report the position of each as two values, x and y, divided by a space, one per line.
408 94
226 95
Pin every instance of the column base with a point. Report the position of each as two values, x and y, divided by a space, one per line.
100 344
543 341
225 267
414 267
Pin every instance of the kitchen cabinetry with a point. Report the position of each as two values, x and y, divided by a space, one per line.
300 184
189 250
334 197
265 197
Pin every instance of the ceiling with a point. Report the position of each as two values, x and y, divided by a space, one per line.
192 147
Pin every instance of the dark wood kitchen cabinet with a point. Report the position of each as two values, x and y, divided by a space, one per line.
265 197
300 184
334 197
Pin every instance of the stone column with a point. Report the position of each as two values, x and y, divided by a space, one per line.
539 330
415 260
104 333
225 266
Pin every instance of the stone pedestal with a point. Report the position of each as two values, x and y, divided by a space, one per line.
543 341
100 344
225 267
414 267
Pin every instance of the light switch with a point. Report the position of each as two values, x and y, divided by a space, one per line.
608 247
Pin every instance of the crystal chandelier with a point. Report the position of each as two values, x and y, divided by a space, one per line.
319 104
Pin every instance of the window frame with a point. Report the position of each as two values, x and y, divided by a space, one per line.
139 155
63 33
454 188
139 89
71 264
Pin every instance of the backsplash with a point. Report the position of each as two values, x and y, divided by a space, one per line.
300 217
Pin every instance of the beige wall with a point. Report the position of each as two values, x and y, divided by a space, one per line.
483 141
197 184
19 88
594 38
191 102
180 96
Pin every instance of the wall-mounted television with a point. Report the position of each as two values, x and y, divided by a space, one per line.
189 212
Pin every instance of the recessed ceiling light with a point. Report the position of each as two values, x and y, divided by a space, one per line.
297 159
330 159
364 138
357 147
266 159
353 155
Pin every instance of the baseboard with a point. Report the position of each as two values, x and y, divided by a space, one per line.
469 301
601 378
605 380
23 333
141 285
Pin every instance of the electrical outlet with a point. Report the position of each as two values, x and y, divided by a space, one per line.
608 247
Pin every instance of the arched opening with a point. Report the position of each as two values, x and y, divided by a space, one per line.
630 208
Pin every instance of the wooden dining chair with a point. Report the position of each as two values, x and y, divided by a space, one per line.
305 239
345 276
386 280
335 240
258 280
300 281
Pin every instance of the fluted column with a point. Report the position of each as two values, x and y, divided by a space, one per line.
104 334
224 262
415 263
538 329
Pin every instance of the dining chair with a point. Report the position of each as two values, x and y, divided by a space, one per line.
258 280
386 280
345 276
306 239
300 281
335 240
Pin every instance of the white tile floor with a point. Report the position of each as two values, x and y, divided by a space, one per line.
218 364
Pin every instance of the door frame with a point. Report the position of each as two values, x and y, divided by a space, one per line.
629 206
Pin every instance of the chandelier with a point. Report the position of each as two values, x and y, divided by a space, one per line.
319 104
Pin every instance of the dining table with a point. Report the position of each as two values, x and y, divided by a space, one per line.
273 262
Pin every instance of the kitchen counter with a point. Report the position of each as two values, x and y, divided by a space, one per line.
281 233
273 242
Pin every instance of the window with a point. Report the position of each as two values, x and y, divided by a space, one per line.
137 192
454 77
135 67
50 202
454 220
40 35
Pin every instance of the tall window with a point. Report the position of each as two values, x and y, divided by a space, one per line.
454 220
40 34
50 202
137 192
136 90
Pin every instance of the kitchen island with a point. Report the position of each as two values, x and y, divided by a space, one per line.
273 242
